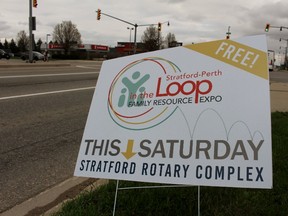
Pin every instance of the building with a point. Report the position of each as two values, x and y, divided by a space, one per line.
81 51
92 51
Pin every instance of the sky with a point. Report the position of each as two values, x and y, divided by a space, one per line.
190 21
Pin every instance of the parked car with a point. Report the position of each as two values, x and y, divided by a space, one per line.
4 54
36 56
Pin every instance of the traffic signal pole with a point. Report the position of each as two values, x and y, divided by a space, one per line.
30 32
129 23
268 26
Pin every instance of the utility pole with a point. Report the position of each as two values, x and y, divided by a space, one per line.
286 60
32 26
228 33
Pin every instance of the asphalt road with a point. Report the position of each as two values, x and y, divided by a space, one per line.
279 76
43 111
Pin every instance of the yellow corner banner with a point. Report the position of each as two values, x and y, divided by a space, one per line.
239 55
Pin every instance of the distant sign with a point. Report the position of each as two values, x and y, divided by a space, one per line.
99 47
55 46
81 46
197 114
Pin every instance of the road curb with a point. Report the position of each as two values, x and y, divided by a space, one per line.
52 199
93 186
34 65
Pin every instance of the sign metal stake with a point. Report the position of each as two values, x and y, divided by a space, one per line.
150 187
199 201
115 199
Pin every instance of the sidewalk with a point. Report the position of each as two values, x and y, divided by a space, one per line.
279 97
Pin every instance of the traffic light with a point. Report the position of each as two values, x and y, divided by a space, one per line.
33 23
159 26
267 27
98 14
35 3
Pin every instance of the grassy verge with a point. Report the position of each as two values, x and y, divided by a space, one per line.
183 201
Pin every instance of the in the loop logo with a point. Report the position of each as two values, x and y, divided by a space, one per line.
133 89
148 91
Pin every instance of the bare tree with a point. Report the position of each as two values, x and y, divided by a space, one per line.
22 41
170 38
152 38
67 34
38 45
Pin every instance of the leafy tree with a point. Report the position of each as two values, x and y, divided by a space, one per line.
1 45
22 41
67 34
152 38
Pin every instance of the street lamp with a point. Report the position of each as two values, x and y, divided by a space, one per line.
131 29
47 35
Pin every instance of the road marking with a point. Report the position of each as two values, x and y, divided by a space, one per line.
46 93
79 66
45 75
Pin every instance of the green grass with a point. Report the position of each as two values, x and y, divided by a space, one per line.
183 201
